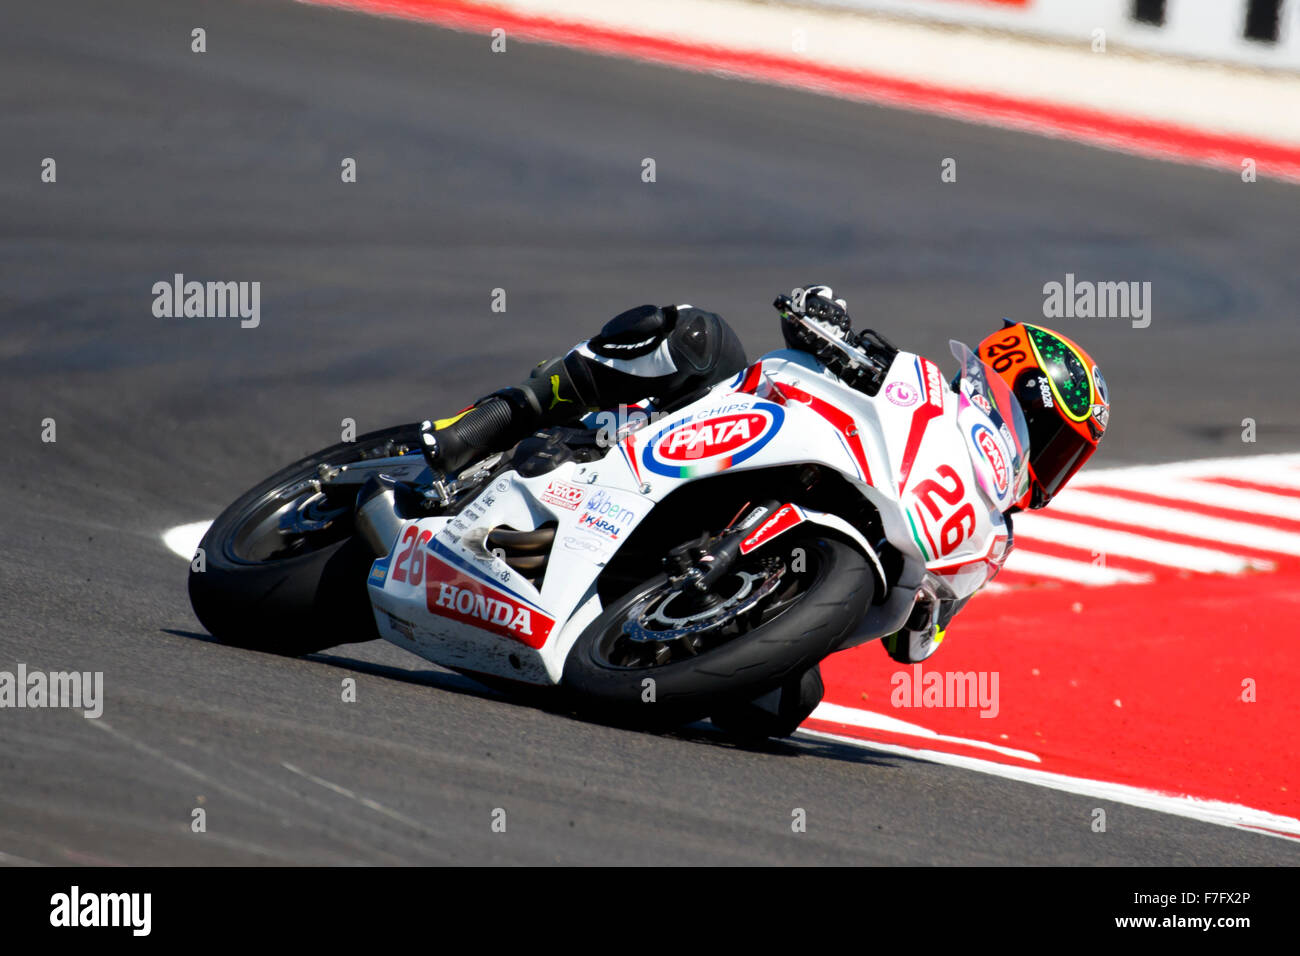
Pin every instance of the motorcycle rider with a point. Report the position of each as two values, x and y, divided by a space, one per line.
666 352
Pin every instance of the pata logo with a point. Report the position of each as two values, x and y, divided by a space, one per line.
706 439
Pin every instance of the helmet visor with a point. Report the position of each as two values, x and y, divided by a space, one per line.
1059 451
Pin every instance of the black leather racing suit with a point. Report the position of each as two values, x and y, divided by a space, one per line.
647 352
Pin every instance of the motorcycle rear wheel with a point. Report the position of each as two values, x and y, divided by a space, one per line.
299 591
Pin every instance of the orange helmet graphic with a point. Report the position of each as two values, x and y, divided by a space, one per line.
1063 396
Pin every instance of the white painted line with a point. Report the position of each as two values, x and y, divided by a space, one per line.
1284 480
1026 561
184 538
1248 467
1092 505
856 717
8 859
1202 492
1106 541
366 802
1236 498
1249 103
1207 811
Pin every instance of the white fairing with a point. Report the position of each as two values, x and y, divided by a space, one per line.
917 450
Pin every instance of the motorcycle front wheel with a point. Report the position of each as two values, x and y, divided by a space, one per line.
663 656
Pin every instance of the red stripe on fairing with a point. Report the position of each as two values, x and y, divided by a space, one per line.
752 377
1092 126
921 419
630 452
839 419
981 558
925 413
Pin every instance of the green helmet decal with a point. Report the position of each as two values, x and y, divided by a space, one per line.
1066 372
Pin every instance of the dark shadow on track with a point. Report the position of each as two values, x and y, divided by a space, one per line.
549 701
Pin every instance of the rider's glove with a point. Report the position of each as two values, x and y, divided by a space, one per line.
816 302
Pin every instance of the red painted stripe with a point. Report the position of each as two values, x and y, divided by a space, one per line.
1164 534
1069 552
1175 656
1248 485
1095 127
1192 508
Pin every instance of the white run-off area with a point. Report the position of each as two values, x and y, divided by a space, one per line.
1243 102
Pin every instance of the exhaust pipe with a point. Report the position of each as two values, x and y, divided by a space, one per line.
376 519
525 551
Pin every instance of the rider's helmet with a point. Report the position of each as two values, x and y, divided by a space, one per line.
1063 396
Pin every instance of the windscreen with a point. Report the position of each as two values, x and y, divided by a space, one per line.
977 379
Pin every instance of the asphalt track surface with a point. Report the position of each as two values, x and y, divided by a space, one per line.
519 171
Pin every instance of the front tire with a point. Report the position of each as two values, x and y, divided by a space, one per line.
802 621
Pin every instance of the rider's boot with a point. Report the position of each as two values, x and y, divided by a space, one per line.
924 630
497 421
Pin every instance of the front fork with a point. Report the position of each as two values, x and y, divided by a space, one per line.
702 562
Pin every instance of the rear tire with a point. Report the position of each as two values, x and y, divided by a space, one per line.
294 604
756 720
734 672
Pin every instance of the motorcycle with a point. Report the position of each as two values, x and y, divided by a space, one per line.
654 566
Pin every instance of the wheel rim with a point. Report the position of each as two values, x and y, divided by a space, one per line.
663 624
299 516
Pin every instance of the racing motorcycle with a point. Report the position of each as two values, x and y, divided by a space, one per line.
656 565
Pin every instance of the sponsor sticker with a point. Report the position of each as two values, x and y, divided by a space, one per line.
712 439
605 517
582 545
1044 390
900 393
597 525
563 495
988 447
453 594
401 625
379 571
933 383
786 517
